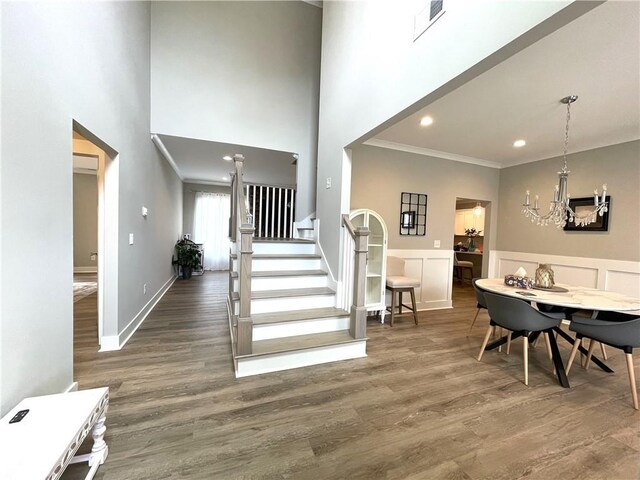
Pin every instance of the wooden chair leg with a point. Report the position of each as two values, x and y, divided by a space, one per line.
485 341
508 343
500 335
400 292
393 307
604 351
525 358
413 304
632 380
592 347
474 321
574 350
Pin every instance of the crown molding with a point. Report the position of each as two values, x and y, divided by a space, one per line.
375 142
165 153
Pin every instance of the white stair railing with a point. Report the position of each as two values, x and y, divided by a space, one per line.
273 210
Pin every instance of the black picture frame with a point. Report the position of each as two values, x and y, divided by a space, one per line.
600 225
413 214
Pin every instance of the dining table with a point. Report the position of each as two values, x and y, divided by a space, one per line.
571 297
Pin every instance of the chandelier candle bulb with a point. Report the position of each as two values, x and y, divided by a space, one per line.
527 198
595 197
535 204
604 192
556 193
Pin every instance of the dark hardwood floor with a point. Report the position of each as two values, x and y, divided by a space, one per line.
419 406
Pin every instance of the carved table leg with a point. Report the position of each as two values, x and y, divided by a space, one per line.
100 450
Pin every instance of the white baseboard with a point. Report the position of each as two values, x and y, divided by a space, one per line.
72 388
621 276
85 269
116 342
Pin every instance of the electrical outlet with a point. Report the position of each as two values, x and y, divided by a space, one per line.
436 244
93 257
328 182
144 288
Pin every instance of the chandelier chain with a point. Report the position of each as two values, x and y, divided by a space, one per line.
566 136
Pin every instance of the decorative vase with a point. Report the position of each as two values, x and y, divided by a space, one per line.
471 245
544 276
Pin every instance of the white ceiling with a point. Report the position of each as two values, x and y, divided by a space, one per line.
200 161
596 57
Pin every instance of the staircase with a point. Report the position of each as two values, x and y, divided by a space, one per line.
282 309
294 319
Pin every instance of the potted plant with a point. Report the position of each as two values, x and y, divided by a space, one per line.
188 256
472 233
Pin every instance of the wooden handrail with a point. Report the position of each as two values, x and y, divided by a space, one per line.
360 235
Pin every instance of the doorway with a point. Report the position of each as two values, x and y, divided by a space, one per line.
471 226
95 235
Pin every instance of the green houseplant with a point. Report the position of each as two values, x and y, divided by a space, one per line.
188 256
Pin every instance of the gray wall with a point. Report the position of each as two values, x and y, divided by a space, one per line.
372 71
88 62
245 73
189 201
379 176
85 219
618 166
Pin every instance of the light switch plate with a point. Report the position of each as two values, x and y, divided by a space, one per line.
131 239
328 182
145 212
436 244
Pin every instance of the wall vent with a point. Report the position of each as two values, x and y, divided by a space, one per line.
427 17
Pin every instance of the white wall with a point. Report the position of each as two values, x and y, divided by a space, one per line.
373 71
245 73
44 87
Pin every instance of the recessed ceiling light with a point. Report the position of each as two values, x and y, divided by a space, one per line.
426 121
519 143
227 158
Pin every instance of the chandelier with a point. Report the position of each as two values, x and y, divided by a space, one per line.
560 210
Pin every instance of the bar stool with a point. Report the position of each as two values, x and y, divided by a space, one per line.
461 266
398 283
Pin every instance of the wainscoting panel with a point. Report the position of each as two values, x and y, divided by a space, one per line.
619 276
434 268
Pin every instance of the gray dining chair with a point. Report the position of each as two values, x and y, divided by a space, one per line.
518 316
619 333
481 303
461 266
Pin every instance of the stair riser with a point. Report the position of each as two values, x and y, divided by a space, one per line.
304 358
275 264
303 327
283 248
282 283
287 304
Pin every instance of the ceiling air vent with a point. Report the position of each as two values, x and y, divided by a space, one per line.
427 17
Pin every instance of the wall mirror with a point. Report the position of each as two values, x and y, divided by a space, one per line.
413 213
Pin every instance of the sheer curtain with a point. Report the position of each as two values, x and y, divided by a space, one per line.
211 228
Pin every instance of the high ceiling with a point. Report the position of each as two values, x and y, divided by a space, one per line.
201 161
596 57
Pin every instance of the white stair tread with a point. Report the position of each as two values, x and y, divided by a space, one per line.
284 273
279 317
300 342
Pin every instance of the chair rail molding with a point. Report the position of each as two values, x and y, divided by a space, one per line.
434 268
621 276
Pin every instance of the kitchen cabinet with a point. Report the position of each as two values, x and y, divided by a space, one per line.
466 219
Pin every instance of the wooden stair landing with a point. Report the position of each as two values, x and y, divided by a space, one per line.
299 342
297 315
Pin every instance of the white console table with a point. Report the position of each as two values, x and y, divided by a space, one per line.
44 442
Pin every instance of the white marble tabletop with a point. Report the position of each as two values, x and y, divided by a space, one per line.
577 297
